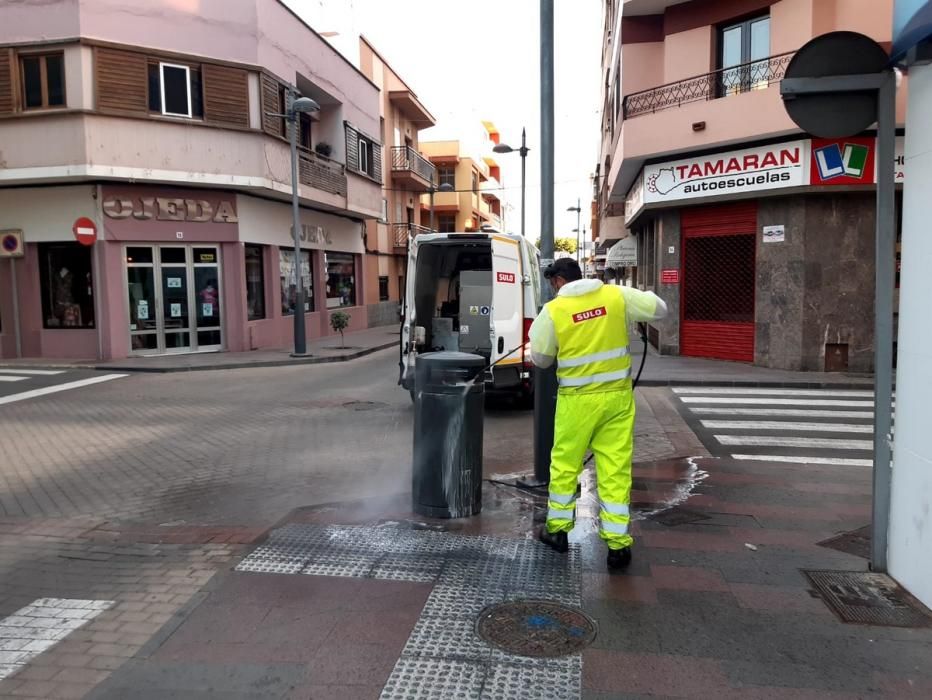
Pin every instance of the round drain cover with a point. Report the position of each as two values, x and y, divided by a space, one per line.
363 405
536 628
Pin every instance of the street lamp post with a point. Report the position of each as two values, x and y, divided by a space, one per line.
578 210
523 151
297 106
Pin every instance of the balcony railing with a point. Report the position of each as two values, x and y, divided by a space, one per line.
756 75
405 158
403 232
324 174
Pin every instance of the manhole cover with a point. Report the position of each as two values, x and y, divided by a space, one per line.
856 542
363 405
867 598
536 628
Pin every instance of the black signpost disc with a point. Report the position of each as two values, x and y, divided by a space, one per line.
838 115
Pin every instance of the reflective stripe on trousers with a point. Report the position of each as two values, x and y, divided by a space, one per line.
561 508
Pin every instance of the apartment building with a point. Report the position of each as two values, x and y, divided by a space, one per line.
406 174
469 192
760 238
146 167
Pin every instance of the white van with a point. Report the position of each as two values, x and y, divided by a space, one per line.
477 293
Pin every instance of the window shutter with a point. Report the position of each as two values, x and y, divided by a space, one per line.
122 81
271 103
375 153
226 95
6 81
352 147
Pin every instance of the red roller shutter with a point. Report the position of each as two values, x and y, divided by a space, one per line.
717 308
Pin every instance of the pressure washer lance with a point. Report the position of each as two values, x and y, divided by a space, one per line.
490 366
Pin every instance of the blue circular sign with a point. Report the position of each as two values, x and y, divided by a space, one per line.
10 243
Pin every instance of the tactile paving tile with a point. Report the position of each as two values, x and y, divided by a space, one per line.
434 679
447 637
452 601
444 657
526 682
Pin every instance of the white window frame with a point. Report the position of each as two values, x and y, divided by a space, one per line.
187 73
363 155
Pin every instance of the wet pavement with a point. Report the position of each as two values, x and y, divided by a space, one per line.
367 600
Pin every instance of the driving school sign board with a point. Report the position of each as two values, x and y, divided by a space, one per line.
748 170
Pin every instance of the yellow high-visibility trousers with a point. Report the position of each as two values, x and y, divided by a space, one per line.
604 422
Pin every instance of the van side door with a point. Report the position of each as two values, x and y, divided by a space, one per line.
507 299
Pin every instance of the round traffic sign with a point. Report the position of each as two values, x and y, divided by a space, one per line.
9 243
836 115
85 231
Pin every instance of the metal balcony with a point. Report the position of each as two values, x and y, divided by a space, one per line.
756 75
324 174
402 233
411 169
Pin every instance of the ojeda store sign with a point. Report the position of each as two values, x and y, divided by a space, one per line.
747 170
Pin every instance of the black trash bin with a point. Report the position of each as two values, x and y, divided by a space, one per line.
448 415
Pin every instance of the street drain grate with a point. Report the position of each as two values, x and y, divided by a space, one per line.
536 628
678 516
856 542
867 599
363 405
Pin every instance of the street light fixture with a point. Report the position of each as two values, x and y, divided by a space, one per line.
296 107
522 151
578 210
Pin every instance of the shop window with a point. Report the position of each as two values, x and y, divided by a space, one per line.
341 280
446 175
255 282
43 81
289 285
446 223
175 90
383 288
67 285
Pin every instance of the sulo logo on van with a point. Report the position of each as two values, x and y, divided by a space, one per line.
507 277
589 315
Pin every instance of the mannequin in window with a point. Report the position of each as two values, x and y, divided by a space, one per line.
66 312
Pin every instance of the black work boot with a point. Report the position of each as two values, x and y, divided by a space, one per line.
557 541
619 559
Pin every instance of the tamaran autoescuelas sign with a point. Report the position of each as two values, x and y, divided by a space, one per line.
747 170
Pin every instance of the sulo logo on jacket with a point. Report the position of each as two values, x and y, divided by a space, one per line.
507 277
589 315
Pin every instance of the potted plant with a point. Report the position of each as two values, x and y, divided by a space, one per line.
339 321
323 149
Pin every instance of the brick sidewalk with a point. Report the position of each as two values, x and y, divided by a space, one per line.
699 614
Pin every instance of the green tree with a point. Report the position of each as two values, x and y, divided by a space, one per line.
339 321
565 244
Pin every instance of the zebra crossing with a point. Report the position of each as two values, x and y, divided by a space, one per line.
800 426
21 384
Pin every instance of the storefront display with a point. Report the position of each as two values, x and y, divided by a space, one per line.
341 280
67 286
289 285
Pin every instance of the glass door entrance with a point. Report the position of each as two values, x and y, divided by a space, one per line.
174 299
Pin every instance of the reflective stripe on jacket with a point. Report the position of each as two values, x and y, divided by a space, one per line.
592 341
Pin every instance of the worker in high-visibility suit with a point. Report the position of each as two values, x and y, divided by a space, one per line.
585 328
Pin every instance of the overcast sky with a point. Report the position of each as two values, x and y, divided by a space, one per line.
473 60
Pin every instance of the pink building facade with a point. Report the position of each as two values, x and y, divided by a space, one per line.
759 237
157 121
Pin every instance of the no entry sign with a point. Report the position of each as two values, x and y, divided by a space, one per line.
85 231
